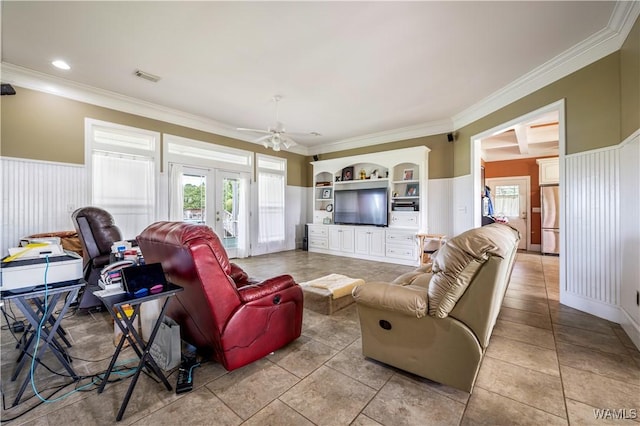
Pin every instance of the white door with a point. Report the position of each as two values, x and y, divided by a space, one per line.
229 211
196 200
510 198
217 199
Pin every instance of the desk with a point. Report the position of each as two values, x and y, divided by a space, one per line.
425 251
36 314
114 304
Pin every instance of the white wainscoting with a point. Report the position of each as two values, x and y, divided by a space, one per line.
296 205
440 207
591 253
602 234
630 236
463 200
39 196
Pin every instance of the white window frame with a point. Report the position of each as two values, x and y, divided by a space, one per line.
195 154
258 247
91 145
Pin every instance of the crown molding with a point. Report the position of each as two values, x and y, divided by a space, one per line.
588 51
599 45
403 133
34 80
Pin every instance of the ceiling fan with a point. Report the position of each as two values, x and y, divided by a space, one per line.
275 137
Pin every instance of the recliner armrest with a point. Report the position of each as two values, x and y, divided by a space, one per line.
238 275
409 299
100 261
265 288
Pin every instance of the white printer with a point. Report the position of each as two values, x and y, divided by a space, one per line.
25 273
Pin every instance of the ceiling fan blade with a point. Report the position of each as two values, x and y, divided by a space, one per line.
288 142
263 138
244 129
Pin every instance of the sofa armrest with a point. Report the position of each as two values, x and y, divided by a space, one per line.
409 299
265 288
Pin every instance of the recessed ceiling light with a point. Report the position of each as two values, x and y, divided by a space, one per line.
59 63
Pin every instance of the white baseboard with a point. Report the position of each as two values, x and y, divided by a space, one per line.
594 307
631 327
604 310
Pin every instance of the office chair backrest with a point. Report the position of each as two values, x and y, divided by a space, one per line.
96 229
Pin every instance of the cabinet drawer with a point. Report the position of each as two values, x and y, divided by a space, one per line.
401 252
318 242
404 219
318 231
396 237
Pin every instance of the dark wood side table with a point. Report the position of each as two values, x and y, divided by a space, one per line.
114 304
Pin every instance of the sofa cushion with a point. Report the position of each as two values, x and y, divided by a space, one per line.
456 263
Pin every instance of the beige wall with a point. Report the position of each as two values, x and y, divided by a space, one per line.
46 127
602 102
602 108
630 83
592 102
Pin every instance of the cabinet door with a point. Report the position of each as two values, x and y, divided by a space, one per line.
376 243
362 241
347 240
549 171
335 237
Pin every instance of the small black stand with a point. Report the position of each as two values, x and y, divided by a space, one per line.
48 325
114 305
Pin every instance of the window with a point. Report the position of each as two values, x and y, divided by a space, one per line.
123 167
271 203
507 200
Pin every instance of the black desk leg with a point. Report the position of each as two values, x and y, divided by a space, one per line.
46 335
145 359
61 332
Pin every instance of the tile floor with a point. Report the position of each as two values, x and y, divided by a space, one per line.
546 364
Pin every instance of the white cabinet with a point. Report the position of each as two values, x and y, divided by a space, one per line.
403 173
404 219
369 242
549 170
318 237
402 245
341 239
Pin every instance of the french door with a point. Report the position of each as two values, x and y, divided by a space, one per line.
216 198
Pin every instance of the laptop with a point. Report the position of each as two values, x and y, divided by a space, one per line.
143 280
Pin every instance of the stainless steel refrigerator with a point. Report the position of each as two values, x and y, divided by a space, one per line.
550 210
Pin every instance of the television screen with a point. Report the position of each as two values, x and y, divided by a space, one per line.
361 207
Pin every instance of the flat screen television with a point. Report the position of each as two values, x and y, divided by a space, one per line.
361 207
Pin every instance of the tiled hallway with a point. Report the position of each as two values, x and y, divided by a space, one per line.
546 364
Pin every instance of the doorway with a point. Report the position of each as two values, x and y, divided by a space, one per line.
215 198
511 203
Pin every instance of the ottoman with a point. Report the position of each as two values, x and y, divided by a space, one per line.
330 293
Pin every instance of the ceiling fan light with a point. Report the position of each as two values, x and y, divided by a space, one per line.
276 146
266 143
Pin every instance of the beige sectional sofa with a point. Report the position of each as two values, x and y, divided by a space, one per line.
437 320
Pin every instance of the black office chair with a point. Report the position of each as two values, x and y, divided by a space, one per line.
97 232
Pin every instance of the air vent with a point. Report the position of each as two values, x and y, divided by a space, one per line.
147 76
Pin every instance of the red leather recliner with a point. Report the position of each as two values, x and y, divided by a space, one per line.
221 311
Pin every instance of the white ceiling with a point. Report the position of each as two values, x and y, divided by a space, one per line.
356 72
